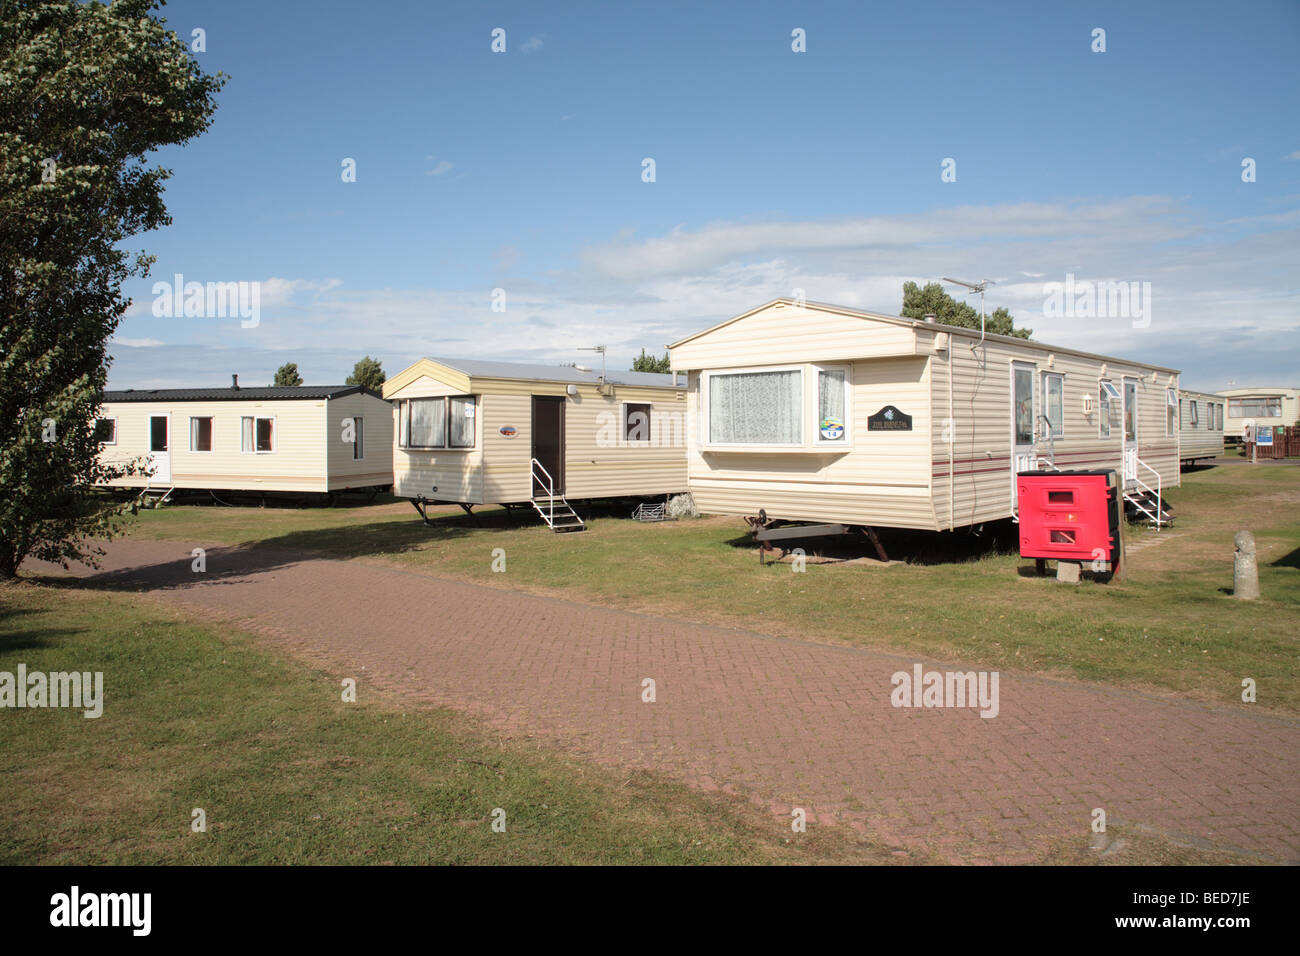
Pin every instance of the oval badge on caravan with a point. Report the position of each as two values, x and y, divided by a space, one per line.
509 431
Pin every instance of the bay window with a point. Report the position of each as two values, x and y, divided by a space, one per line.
433 423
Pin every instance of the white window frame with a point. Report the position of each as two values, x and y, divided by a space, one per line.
1046 393
706 380
847 440
252 448
1172 412
112 419
358 438
635 442
212 435
404 422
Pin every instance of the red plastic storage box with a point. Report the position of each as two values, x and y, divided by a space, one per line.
1069 515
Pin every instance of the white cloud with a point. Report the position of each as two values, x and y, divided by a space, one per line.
439 169
137 343
533 43
1224 303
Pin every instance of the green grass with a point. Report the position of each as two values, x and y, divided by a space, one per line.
287 773
1170 626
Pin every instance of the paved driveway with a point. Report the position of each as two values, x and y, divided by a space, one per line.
788 723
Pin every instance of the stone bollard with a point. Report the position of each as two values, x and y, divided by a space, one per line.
1245 571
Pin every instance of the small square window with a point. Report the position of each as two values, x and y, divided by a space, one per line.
636 421
200 434
106 431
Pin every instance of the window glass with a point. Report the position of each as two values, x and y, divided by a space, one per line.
462 421
200 434
265 434
1054 402
427 424
358 439
1024 401
1255 407
636 422
158 433
756 408
1130 410
106 431
830 406
1103 412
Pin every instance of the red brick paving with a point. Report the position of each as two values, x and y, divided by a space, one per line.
786 722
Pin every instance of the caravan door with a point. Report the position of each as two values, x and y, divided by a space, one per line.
1022 422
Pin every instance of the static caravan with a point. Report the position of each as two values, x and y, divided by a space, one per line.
1200 426
1259 406
475 432
821 413
306 438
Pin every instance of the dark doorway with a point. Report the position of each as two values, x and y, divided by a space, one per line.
548 441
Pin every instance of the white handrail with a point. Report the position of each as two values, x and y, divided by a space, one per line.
550 488
1159 507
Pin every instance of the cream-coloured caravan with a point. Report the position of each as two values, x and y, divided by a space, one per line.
1200 426
821 413
476 432
1259 407
305 438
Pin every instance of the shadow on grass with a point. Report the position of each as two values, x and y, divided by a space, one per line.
993 539
1291 560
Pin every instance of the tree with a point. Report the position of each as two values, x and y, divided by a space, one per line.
87 92
367 372
919 302
287 374
651 363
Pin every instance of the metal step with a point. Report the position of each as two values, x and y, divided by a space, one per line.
558 514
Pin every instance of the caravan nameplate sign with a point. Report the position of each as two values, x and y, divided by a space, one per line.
889 419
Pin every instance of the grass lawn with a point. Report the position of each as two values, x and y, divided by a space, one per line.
1170 626
288 773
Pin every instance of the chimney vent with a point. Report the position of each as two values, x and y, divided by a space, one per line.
234 381
930 317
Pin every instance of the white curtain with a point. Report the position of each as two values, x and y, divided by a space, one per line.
428 423
830 406
756 408
462 422
245 434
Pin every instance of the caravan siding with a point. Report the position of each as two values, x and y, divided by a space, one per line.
1200 425
296 463
375 466
977 487
783 333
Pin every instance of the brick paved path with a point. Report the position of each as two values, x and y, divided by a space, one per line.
785 722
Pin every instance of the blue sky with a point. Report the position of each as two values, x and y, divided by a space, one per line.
775 170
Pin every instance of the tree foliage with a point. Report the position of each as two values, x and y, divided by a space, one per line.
368 372
287 374
87 91
919 302
651 363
